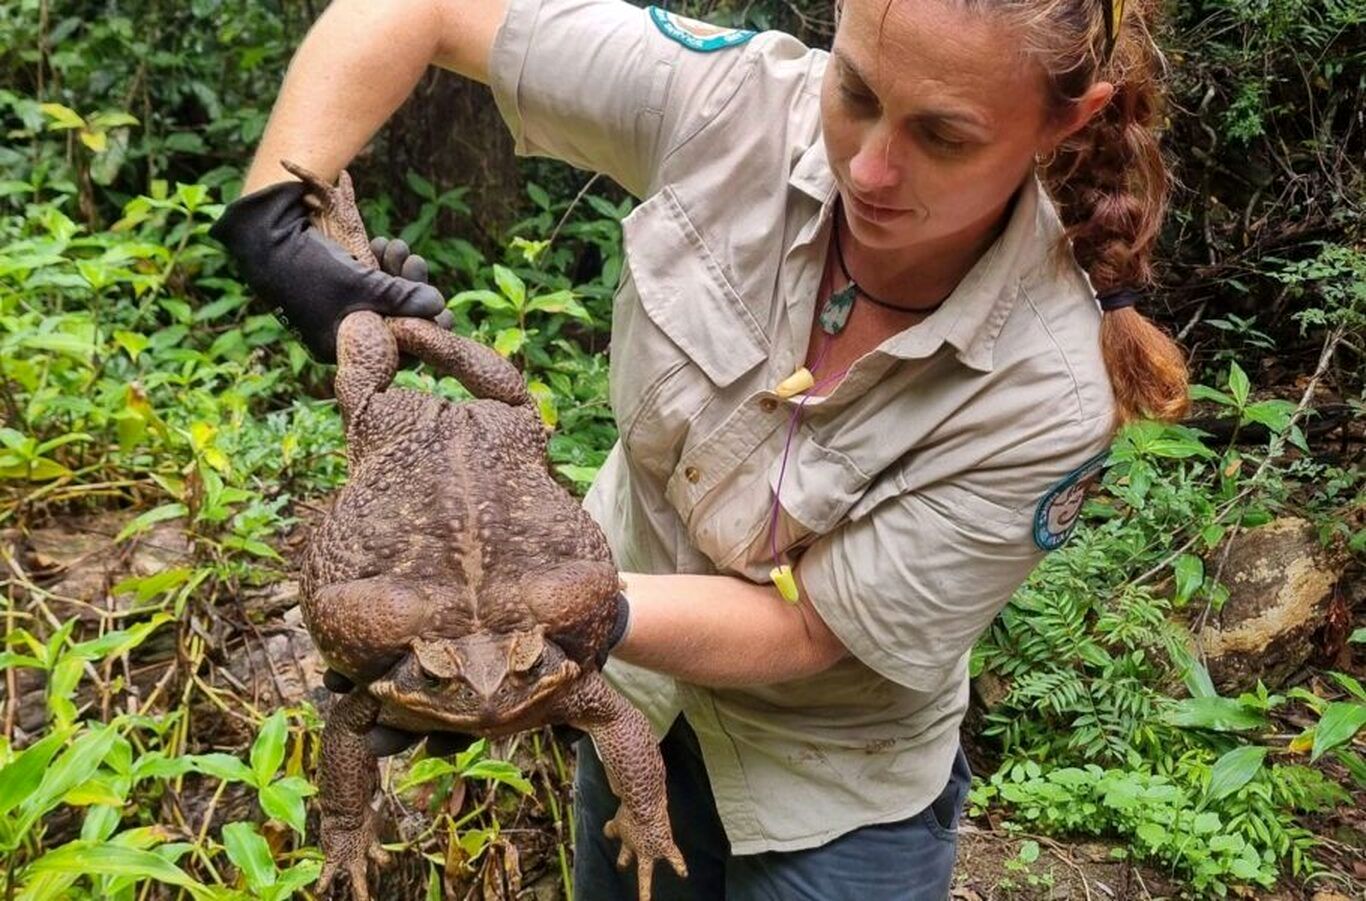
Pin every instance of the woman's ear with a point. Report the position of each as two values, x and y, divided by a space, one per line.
1083 111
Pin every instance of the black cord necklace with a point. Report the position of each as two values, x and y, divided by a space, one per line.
838 306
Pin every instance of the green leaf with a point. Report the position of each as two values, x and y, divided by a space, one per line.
1029 851
1238 384
119 642
490 300
268 751
1274 414
144 521
222 766
508 341
116 860
148 587
1234 770
250 853
74 766
1218 714
1190 574
1337 726
1358 636
23 774
62 117
420 186
284 800
1206 823
513 288
1203 392
499 771
1152 834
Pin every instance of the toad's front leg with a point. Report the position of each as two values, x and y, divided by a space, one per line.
635 771
348 777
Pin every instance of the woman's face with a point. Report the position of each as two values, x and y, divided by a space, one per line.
930 120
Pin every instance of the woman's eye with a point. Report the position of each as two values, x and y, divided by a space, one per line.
857 97
946 144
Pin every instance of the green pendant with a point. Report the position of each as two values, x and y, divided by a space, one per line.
835 313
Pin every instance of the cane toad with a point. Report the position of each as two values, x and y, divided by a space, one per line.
454 581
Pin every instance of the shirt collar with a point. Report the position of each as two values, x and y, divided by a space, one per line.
972 317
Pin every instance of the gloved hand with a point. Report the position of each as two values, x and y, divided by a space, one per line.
309 281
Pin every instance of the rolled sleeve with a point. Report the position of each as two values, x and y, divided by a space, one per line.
596 84
909 587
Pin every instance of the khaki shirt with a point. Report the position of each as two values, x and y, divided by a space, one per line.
911 491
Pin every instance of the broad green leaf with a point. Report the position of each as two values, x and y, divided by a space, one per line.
250 853
420 186
40 469
490 300
1206 823
97 141
23 774
1190 574
425 770
1219 714
222 766
1337 726
145 521
499 771
109 859
1238 384
63 117
1029 851
116 643
1358 636
133 343
284 800
1234 770
148 587
268 751
72 767
508 341
1350 685
545 401
251 546
1204 392
1152 834
82 348
512 286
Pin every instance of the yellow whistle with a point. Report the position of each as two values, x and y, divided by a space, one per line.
796 383
786 582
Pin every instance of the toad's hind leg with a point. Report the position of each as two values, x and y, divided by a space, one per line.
478 368
367 357
635 772
348 775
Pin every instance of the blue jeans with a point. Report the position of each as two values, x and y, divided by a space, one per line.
908 860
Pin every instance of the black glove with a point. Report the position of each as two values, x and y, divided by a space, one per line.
386 740
309 281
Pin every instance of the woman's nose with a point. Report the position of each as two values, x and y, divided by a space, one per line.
874 167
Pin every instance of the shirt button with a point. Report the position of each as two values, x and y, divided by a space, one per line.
768 405
692 474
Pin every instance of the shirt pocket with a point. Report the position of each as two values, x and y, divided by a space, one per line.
681 333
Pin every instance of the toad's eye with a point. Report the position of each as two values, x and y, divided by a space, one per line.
430 680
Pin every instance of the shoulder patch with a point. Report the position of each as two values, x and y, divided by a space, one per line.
696 35
1059 509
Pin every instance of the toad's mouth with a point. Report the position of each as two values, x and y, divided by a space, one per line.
458 704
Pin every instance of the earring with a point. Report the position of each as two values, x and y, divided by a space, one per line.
1044 163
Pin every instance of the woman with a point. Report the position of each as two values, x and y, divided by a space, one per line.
859 370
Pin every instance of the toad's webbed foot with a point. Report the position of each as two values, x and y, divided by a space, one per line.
635 772
347 848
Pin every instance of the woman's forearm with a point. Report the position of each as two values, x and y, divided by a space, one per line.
357 65
722 631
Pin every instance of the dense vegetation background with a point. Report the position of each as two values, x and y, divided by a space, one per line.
162 442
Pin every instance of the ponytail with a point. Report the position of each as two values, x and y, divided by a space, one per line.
1110 182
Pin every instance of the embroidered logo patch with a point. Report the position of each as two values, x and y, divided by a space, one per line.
697 35
1058 510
